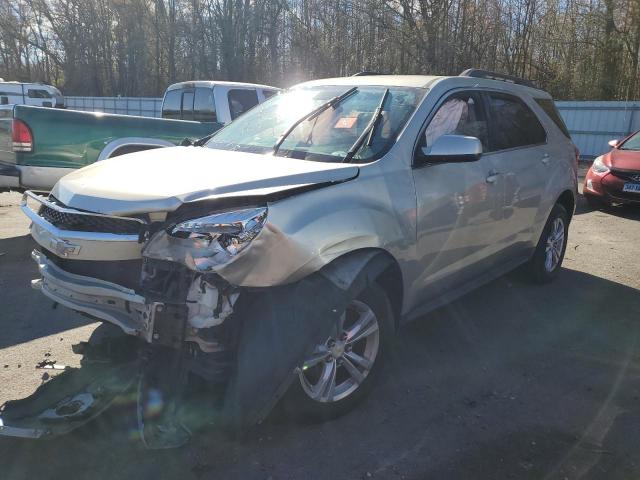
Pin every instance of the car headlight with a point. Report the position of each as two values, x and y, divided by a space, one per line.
598 166
204 243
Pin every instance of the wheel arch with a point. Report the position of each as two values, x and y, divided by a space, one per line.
133 144
568 200
355 270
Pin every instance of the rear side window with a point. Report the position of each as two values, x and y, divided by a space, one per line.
513 123
204 109
550 109
240 101
172 104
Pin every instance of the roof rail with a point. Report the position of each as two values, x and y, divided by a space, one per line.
503 77
366 73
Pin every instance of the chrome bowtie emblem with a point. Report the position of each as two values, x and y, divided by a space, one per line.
64 248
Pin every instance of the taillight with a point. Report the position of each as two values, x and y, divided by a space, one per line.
21 136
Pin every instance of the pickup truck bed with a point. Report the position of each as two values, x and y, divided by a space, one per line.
62 140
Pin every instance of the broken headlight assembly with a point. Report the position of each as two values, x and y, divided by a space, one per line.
204 243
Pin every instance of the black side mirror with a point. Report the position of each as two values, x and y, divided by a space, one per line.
450 149
187 142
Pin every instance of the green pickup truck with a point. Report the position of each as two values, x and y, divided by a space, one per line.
40 145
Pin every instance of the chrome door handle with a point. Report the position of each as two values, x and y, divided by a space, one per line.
493 176
545 158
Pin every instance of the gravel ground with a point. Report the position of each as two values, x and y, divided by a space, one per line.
512 381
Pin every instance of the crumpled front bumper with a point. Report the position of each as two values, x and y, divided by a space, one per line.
98 298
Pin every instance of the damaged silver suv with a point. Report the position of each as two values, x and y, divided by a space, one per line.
276 258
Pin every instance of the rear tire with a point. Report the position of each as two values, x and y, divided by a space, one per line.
545 264
351 360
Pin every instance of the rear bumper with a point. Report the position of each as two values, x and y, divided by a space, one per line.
9 176
26 176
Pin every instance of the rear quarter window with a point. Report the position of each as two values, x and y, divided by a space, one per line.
550 109
514 125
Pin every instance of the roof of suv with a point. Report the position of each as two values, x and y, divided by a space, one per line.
424 81
419 81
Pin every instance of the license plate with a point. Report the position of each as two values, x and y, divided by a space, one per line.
631 187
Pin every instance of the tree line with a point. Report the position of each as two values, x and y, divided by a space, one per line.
576 49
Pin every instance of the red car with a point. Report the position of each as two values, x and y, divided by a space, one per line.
615 176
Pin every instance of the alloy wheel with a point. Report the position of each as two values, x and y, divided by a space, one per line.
338 367
555 245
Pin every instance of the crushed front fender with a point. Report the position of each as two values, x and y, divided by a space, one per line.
281 326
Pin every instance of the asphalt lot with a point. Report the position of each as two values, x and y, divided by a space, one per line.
512 381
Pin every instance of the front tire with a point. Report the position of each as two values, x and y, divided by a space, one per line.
341 372
547 259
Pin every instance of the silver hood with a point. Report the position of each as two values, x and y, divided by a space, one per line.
161 180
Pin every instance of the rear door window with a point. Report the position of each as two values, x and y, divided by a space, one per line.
513 123
241 100
204 108
550 109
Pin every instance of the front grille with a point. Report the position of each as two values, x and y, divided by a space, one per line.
121 272
88 223
616 193
622 196
627 175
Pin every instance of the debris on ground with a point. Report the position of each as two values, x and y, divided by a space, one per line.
50 364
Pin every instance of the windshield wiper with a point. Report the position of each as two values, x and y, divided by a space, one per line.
334 102
201 141
188 142
369 131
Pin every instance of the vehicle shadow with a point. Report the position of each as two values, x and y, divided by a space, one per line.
510 381
628 212
581 205
624 211
26 314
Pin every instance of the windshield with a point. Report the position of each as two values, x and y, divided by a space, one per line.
326 137
632 144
